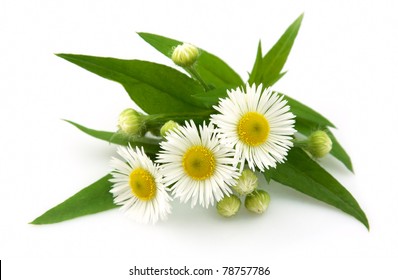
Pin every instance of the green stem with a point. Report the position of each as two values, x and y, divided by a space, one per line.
191 70
300 143
155 122
161 118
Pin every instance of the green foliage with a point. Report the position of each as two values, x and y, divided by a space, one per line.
165 94
305 175
212 69
151 146
155 88
339 152
211 98
267 69
92 199
304 112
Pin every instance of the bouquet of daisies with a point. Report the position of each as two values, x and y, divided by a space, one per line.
204 136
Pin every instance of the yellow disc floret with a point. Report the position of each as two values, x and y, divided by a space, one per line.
199 162
253 129
142 184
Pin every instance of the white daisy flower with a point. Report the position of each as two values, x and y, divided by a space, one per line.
196 165
258 124
138 186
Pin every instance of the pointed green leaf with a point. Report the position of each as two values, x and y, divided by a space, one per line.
212 69
155 88
303 174
151 146
304 112
162 44
211 98
306 127
92 199
257 67
277 78
267 175
339 152
267 70
216 72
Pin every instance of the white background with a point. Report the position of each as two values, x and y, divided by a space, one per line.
343 64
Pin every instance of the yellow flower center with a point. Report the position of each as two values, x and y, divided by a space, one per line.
142 184
253 129
199 162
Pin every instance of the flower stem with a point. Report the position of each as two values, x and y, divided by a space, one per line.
161 118
300 143
191 70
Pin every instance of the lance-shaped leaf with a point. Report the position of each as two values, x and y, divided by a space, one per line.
151 146
339 152
92 199
304 112
212 97
155 88
257 67
303 174
212 69
267 69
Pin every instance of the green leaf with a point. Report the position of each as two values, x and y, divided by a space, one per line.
268 69
211 98
304 112
155 88
92 199
151 146
216 72
257 67
162 44
303 174
267 175
277 78
212 69
306 127
339 152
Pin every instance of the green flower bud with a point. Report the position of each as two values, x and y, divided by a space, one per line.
169 126
185 55
319 144
228 206
257 201
130 122
247 182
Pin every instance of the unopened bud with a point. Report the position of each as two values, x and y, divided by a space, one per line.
319 144
257 201
130 122
185 55
228 206
169 126
246 183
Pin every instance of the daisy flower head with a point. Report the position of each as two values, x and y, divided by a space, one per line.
258 124
195 164
138 186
